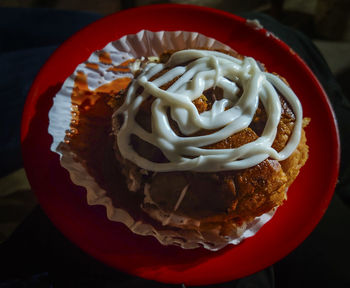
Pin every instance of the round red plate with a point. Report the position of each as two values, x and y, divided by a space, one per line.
113 243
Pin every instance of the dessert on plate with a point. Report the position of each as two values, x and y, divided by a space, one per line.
180 137
210 138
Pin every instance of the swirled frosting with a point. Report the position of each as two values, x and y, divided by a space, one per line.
243 84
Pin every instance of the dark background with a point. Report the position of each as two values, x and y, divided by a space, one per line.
37 255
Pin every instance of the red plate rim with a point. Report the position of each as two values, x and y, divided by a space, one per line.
193 275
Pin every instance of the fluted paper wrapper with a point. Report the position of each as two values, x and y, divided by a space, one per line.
62 114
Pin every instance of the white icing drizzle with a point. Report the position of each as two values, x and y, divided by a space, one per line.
181 197
229 115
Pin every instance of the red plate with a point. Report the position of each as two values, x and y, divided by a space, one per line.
113 243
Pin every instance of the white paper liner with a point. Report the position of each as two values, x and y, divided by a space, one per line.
143 44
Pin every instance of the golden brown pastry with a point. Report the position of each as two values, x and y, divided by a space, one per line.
209 194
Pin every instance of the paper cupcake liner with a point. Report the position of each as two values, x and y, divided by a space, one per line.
98 72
